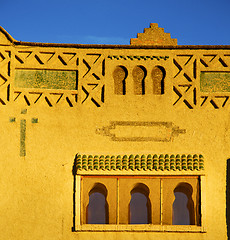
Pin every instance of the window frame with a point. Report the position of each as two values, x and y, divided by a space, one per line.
111 227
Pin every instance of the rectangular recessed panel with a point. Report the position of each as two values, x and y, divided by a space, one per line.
45 79
215 82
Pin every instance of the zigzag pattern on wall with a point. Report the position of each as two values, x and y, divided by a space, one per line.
184 82
91 79
187 80
38 58
200 79
5 75
89 68
210 63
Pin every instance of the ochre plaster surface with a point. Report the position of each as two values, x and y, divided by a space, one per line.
41 192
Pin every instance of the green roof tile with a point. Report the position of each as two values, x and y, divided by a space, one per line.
150 162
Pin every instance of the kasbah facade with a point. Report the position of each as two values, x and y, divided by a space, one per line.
114 141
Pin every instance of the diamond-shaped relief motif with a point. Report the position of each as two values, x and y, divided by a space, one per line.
93 93
92 66
186 69
184 82
91 81
185 95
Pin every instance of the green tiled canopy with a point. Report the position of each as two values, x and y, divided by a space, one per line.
140 163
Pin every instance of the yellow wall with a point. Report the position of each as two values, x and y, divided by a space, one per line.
36 197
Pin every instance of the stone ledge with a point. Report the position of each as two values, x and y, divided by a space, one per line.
139 228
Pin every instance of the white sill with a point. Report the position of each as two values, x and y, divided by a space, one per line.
138 228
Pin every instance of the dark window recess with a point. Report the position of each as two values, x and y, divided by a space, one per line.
97 209
183 205
140 207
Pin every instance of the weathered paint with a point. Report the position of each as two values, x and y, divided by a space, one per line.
45 79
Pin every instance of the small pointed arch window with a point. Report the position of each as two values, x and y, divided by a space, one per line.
183 205
140 206
97 209
120 74
158 76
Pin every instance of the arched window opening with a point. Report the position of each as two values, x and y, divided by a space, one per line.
183 205
97 209
158 76
139 74
119 75
140 206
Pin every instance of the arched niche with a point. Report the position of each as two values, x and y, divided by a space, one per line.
139 74
120 74
140 205
183 205
97 208
158 76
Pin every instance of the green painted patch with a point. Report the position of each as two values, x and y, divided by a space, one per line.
215 82
12 119
45 79
23 138
34 120
23 111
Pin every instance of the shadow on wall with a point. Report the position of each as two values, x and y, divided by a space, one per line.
74 171
228 198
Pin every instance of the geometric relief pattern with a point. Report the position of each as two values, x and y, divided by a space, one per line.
5 75
90 71
138 131
185 80
91 79
88 88
187 87
38 59
212 64
51 59
135 57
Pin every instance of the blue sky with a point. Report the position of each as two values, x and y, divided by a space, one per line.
194 22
